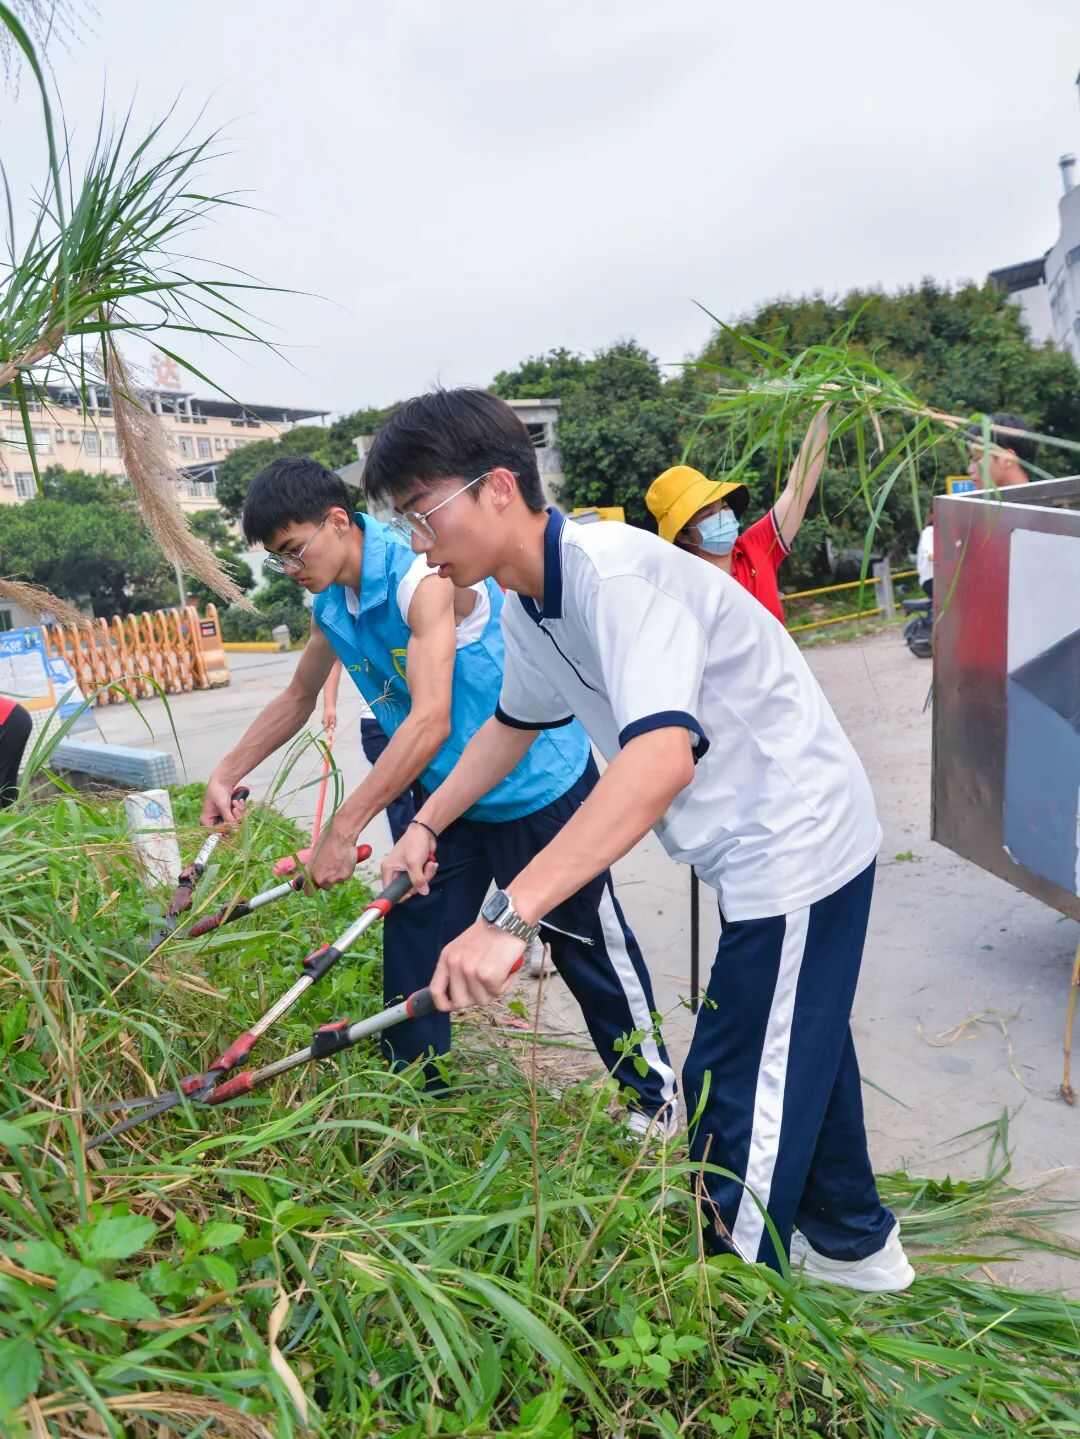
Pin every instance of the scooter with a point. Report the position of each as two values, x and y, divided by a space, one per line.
919 630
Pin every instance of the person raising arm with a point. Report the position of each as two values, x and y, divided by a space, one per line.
702 516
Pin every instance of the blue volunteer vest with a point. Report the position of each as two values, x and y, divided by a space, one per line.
373 647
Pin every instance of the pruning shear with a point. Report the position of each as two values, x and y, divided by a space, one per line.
328 1039
240 908
200 1087
185 886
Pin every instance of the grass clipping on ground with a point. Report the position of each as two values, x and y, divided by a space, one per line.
337 1255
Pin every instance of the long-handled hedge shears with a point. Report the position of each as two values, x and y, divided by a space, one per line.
188 878
199 1087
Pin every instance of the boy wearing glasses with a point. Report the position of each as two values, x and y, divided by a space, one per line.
718 737
428 658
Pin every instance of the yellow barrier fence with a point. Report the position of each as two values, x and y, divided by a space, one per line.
868 583
173 649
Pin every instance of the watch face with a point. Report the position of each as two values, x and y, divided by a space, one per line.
496 905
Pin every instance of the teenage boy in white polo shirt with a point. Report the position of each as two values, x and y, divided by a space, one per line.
718 737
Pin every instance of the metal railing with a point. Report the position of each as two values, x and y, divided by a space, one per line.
881 580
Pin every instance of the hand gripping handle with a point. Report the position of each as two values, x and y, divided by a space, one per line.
288 863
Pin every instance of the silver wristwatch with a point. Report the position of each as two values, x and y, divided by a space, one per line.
500 913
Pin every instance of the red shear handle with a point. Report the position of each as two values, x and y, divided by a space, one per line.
288 864
242 1083
397 889
238 1050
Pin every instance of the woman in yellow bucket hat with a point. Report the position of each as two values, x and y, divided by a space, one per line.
703 516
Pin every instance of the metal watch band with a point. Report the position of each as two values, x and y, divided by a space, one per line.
512 923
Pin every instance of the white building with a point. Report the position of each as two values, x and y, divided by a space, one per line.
78 432
1047 289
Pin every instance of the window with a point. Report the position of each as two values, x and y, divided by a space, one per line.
170 440
58 436
16 437
90 442
24 484
217 442
538 435
204 447
187 448
109 445
73 437
5 621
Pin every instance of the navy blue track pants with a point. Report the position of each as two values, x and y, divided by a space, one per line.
772 1069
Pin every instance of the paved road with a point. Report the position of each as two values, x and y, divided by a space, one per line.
960 1009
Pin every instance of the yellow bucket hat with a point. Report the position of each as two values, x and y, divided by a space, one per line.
676 495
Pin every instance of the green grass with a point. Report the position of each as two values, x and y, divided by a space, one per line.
496 1261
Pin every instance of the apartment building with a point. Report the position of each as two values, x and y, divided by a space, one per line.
200 434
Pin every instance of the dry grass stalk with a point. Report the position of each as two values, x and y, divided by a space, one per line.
153 477
161 1401
41 602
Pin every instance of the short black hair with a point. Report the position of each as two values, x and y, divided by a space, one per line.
1022 447
292 490
447 433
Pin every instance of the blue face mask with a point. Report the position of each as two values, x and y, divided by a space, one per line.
718 533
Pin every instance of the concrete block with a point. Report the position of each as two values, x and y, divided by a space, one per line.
135 769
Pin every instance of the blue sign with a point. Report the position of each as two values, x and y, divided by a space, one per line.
24 674
69 696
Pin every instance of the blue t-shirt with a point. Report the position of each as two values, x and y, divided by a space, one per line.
373 647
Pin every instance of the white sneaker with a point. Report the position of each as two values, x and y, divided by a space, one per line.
884 1272
655 1128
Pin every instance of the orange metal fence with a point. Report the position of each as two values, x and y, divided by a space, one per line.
174 650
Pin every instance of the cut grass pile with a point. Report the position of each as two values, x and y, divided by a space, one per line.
340 1255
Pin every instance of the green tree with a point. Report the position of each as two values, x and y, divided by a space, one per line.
963 350
333 447
83 539
542 377
340 448
617 424
240 467
229 550
279 602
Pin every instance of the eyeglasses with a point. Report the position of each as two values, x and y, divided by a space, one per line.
291 564
415 523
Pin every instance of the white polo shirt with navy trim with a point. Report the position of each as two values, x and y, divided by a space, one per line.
634 635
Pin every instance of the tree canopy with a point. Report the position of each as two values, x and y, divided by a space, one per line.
83 539
962 350
333 447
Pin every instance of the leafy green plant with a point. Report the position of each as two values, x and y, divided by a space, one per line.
649 1356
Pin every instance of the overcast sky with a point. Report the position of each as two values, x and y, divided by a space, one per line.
469 183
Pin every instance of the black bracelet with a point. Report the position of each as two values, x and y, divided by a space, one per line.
422 825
